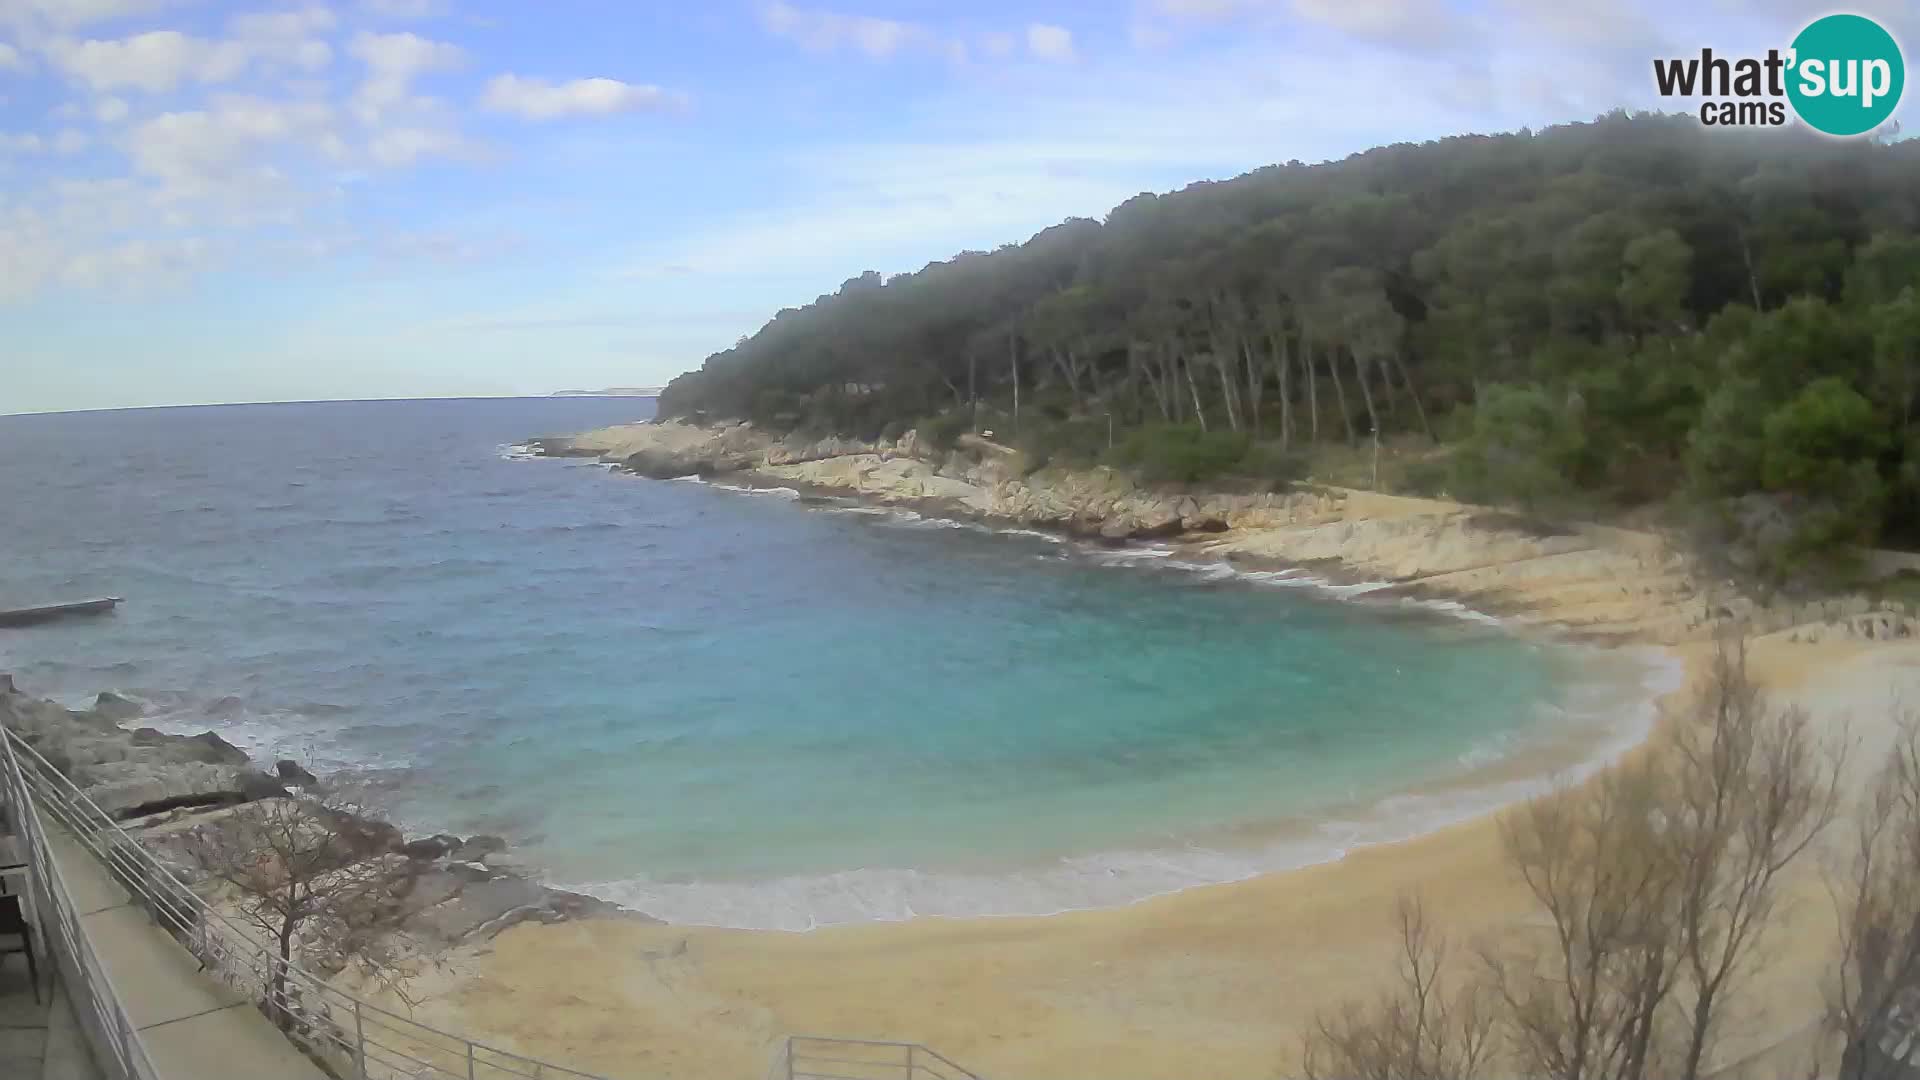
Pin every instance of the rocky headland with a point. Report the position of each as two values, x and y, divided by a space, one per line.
1596 582
169 791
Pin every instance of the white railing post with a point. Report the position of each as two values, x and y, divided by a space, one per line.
359 1043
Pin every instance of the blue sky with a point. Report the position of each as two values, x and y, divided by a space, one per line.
368 198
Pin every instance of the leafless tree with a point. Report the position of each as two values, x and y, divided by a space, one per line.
309 870
1657 883
1586 1004
1751 791
1874 1004
1419 1030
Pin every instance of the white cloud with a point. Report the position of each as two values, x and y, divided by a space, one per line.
21 143
82 233
290 38
70 141
827 31
445 246
1204 9
282 24
404 9
822 31
139 262
1426 22
110 110
225 152
402 146
10 58
393 61
156 61
69 14
537 99
1050 42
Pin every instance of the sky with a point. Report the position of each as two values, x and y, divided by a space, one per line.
212 202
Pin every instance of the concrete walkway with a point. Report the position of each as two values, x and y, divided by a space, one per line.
194 1026
39 1040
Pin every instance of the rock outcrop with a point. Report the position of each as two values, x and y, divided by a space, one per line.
172 790
1598 582
124 771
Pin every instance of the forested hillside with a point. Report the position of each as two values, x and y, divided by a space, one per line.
1631 311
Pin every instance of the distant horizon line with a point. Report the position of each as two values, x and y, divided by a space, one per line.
553 396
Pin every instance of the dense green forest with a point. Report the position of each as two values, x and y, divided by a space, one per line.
1634 312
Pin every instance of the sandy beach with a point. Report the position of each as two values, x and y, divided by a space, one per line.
1213 980
1216 980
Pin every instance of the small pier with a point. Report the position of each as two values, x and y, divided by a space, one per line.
28 616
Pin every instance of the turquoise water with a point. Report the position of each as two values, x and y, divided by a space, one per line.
752 709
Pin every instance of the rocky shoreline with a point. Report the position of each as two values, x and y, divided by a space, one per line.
1592 582
166 790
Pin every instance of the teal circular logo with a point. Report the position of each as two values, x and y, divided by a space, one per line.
1847 75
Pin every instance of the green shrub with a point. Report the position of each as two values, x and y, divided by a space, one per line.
1181 453
1523 450
1073 442
1424 478
1277 466
944 430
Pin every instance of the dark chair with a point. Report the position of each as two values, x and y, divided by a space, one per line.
13 924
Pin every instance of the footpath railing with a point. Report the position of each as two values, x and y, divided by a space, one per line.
348 1035
814 1057
101 1012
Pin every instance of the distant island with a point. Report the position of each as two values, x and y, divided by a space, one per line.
612 391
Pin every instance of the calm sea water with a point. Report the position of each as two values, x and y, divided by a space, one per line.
746 709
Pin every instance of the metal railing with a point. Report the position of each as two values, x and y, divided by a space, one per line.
348 1035
814 1057
102 1015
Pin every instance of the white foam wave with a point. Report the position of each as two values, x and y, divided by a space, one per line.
775 492
313 736
806 902
867 511
515 452
1036 534
920 521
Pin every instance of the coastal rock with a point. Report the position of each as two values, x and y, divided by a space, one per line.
499 901
205 747
429 888
253 784
138 788
225 708
115 707
477 848
430 848
661 465
123 770
215 750
292 772
1146 524
563 446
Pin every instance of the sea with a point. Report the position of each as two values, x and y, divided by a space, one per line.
750 708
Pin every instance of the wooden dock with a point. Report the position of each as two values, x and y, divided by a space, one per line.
28 616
